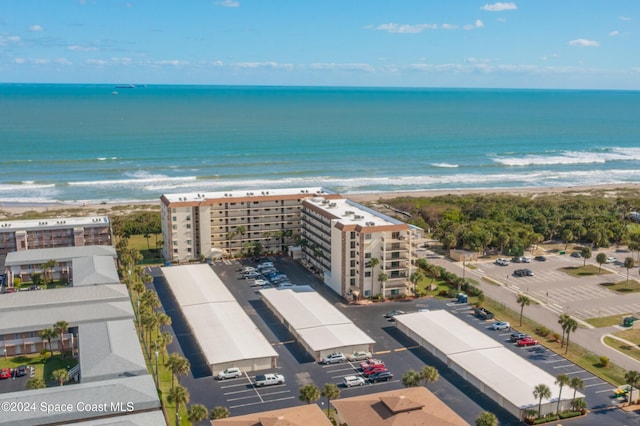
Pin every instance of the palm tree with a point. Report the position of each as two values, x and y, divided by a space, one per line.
567 237
575 384
48 266
562 320
330 391
149 322
429 374
632 378
382 277
48 334
486 418
61 375
164 339
523 301
415 279
571 325
309 393
373 262
241 230
562 380
601 258
197 413
411 379
178 395
586 254
541 391
61 327
628 264
178 365
219 413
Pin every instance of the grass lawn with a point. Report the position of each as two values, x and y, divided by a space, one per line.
43 369
578 355
148 252
630 286
581 271
631 351
607 321
632 335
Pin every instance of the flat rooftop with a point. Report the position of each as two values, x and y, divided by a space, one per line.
56 223
351 213
60 254
201 196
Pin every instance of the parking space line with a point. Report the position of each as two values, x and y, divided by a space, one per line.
575 372
606 390
590 378
597 384
554 360
277 393
240 398
382 352
563 366
236 392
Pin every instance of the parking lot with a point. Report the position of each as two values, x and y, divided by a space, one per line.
399 354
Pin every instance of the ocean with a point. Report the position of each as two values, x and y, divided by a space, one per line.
87 144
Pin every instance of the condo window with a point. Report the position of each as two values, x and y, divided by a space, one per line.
367 255
175 243
175 218
367 236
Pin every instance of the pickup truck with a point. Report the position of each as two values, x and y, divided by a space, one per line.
482 313
269 379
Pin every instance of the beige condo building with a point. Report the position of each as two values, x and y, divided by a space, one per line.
338 237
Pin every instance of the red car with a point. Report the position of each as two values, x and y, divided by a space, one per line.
5 373
527 341
372 370
370 363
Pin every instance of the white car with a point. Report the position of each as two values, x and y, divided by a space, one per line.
258 283
500 325
269 379
502 261
264 265
612 260
229 373
353 381
526 259
334 358
359 356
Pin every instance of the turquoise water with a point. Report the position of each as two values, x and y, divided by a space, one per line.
81 143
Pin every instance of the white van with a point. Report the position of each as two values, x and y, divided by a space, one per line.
353 381
229 373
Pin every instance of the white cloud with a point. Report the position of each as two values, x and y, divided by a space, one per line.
78 48
96 62
584 42
36 28
624 18
228 3
499 7
477 24
405 28
635 69
174 62
614 33
342 67
19 60
263 65
448 26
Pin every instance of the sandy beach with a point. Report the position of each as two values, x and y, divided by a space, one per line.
9 211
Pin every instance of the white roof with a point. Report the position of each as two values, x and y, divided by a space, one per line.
56 223
225 333
109 350
200 196
315 320
350 212
507 373
196 284
36 310
92 270
60 254
446 332
222 328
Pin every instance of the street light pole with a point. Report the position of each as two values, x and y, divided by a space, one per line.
157 371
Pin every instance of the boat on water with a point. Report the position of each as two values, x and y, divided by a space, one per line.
114 93
125 86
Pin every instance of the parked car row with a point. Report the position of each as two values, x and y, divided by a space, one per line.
7 373
265 275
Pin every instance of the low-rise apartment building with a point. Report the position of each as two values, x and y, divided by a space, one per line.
19 235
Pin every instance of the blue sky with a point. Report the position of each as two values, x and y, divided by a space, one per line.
578 44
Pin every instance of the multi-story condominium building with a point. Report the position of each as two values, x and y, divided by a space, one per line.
198 225
360 252
19 235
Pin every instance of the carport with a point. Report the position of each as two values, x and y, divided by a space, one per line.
315 323
226 335
505 377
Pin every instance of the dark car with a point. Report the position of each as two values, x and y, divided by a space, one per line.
518 336
576 254
383 376
519 272
391 314
540 258
21 371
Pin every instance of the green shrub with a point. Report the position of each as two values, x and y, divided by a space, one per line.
569 414
542 331
604 361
